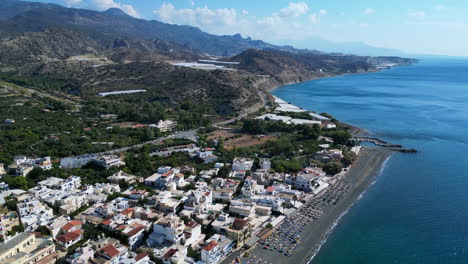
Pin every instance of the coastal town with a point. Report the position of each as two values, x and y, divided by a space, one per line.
231 197
233 132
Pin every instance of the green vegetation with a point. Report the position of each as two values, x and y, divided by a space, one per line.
47 82
15 229
44 230
348 158
49 127
340 137
288 166
191 253
79 210
333 167
11 203
19 182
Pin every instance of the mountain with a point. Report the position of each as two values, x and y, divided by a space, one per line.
32 49
292 67
84 52
11 8
357 48
105 27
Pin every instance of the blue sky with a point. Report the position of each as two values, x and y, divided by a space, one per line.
414 26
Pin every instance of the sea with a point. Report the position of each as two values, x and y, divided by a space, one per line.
417 209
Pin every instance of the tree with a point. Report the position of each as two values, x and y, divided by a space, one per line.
188 187
333 167
35 173
224 172
269 225
348 158
19 182
43 230
124 185
191 253
185 218
340 137
254 126
311 132
12 204
295 199
16 229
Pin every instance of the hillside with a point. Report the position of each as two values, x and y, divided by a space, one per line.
32 49
105 27
292 67
84 52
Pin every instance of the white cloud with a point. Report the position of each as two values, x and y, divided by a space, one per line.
417 14
364 25
192 3
440 7
73 2
369 11
106 4
314 18
200 16
271 21
286 24
294 9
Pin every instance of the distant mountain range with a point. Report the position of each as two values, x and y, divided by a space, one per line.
45 41
358 48
106 27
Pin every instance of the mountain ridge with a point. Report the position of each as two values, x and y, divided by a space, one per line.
84 52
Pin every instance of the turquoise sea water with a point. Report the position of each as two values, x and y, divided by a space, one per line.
417 210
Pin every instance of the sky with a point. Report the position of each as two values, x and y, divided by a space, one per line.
414 26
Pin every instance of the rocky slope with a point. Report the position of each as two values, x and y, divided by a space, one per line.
111 25
30 50
118 52
282 67
226 92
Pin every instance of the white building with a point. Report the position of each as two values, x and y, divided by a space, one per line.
77 161
211 253
110 161
169 228
306 179
199 200
242 164
216 248
165 125
134 234
73 182
22 165
122 176
193 234
265 164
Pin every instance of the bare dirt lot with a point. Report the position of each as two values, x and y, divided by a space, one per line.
233 139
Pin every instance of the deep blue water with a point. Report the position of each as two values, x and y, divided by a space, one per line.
417 211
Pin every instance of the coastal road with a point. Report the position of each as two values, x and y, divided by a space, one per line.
190 134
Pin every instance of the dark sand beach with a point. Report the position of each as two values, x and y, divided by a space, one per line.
360 176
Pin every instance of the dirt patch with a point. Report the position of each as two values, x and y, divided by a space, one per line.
129 125
233 139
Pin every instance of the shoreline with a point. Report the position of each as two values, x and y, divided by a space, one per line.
362 174
355 130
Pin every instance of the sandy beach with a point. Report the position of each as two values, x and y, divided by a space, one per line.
360 176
